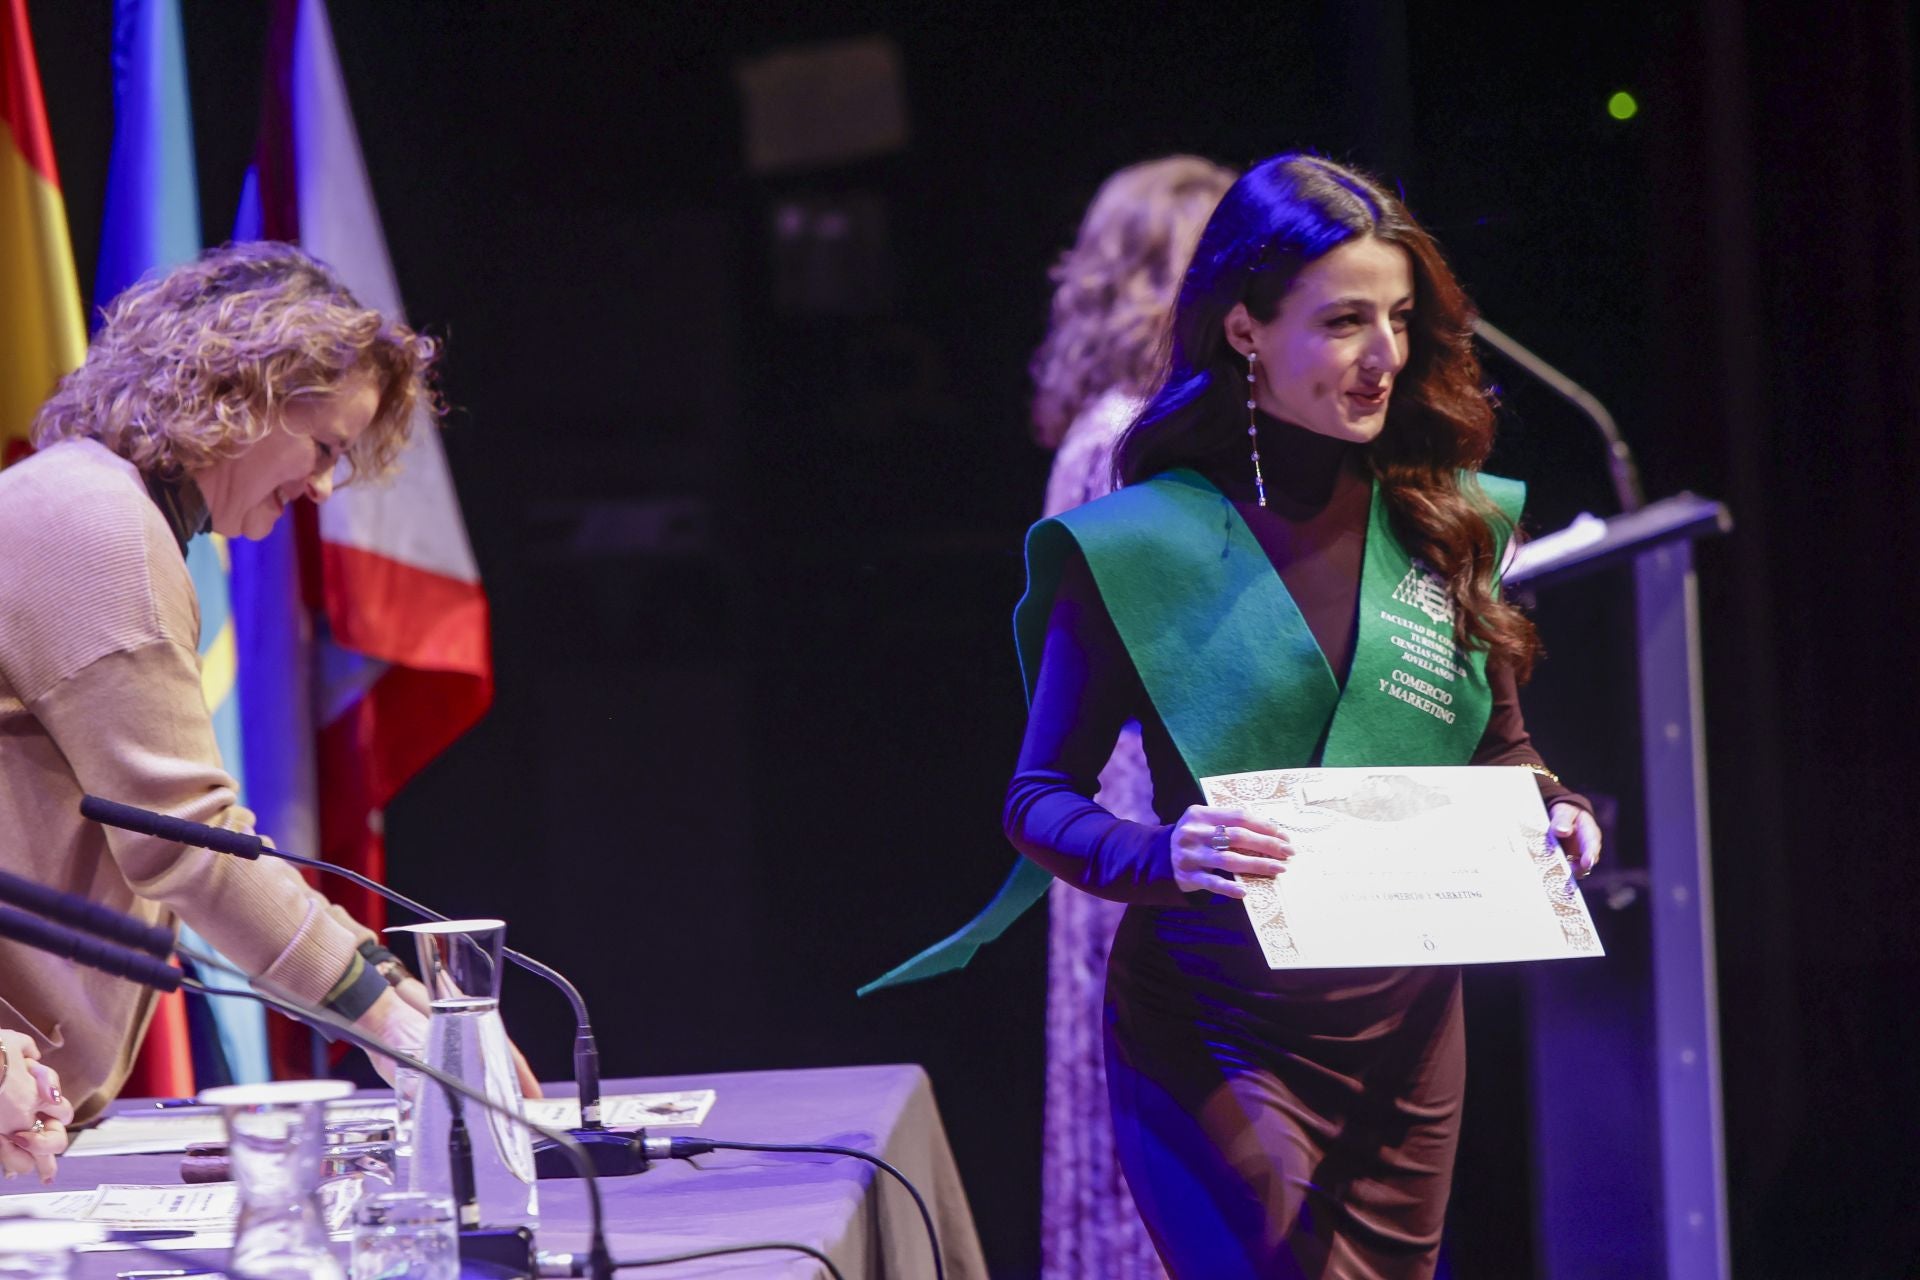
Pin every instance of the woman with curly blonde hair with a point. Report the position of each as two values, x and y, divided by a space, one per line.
1114 290
204 365
214 396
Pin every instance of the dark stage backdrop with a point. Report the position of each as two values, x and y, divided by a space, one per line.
748 501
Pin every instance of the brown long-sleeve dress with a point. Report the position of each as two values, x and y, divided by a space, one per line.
1270 1124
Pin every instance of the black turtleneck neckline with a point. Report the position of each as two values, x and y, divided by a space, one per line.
182 505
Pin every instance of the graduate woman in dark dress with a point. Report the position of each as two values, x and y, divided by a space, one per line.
1306 478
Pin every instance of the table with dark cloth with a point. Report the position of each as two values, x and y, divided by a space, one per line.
846 1208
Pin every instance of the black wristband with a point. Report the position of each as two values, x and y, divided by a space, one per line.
358 988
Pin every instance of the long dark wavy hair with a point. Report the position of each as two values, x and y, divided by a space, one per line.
1281 215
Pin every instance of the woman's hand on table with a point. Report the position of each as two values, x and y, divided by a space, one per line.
399 1018
34 1114
1210 845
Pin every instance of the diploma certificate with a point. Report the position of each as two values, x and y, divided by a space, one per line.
1401 867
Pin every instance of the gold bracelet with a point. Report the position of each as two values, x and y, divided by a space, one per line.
1545 772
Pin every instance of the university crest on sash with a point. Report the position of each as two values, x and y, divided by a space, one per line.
1425 590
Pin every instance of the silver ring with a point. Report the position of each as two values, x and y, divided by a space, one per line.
1220 840
39 1124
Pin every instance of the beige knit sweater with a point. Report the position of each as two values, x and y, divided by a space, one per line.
100 692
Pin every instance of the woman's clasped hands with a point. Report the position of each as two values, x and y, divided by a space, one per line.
34 1114
1212 845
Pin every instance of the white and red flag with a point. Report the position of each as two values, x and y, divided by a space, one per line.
364 645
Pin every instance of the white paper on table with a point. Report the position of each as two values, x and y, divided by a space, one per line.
627 1110
189 1204
48 1204
205 1209
1409 866
157 1132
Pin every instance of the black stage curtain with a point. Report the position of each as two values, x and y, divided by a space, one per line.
1786 338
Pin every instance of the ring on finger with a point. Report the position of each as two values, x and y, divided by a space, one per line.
1220 841
39 1124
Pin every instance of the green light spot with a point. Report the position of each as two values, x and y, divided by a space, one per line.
1621 106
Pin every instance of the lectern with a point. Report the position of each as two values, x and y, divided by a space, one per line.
1604 1208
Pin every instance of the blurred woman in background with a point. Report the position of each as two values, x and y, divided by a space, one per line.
1114 290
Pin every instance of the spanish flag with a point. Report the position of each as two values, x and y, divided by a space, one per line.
42 332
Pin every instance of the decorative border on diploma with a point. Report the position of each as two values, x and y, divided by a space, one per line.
1263 903
1556 881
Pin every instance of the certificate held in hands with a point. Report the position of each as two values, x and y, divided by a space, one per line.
1415 866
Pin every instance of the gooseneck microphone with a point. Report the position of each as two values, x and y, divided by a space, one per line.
84 948
139 967
613 1154
1621 467
84 913
167 827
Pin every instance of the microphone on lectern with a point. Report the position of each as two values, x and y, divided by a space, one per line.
1624 471
613 1154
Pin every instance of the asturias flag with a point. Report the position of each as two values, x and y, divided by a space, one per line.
151 223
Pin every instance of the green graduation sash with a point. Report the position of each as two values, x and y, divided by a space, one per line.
1227 658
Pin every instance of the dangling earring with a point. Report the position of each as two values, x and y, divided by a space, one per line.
1253 433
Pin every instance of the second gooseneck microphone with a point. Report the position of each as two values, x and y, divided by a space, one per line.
614 1154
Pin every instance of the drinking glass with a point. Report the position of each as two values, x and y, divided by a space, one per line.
405 1235
275 1134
